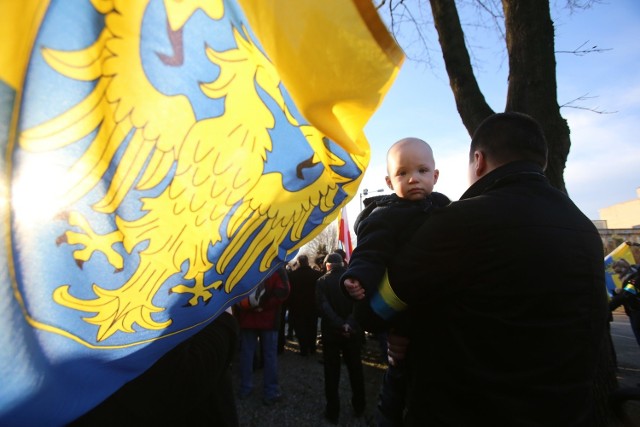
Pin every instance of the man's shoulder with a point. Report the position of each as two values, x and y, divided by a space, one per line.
439 199
633 276
333 274
323 280
314 272
299 270
304 273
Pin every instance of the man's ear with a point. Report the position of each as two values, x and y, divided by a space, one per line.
388 181
480 167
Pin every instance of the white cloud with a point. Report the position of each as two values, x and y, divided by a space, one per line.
602 168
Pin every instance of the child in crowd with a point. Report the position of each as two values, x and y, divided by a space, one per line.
386 223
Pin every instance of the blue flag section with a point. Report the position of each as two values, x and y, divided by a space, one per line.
160 159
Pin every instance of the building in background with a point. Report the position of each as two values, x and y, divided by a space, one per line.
620 223
622 215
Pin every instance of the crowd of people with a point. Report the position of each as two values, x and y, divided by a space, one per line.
479 332
303 293
494 306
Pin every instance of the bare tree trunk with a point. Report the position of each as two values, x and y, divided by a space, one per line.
532 73
470 101
532 77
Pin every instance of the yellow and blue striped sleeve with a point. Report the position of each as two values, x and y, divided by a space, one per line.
385 303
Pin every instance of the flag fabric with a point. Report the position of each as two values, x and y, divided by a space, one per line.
344 234
160 159
623 251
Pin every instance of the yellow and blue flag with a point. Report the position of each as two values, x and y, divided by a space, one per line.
161 157
623 251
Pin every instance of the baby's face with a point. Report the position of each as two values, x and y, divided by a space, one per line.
412 172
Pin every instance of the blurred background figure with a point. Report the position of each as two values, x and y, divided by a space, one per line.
302 305
628 295
341 336
259 318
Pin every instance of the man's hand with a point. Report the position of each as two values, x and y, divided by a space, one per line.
396 348
354 289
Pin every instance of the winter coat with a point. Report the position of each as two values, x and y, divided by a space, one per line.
266 314
383 227
507 305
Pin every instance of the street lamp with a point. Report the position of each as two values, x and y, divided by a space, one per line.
365 192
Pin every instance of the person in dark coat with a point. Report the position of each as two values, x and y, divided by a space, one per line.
191 385
387 223
302 305
506 294
628 295
341 336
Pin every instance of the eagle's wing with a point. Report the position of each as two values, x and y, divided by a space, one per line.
270 214
125 110
265 213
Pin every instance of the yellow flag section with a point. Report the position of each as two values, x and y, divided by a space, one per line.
19 22
623 251
319 62
286 38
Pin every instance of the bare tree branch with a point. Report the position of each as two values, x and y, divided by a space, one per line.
323 244
581 51
574 5
379 6
583 98
495 13
405 21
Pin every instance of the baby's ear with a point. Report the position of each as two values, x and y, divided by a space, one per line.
388 181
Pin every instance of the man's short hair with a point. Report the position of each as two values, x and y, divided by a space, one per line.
511 136
333 259
342 253
303 260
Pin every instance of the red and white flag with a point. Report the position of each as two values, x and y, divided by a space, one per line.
344 235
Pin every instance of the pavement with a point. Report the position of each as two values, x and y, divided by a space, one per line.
627 350
301 379
628 356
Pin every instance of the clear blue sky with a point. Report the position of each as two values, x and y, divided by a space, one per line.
603 167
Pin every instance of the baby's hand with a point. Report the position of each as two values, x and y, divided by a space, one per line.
354 289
